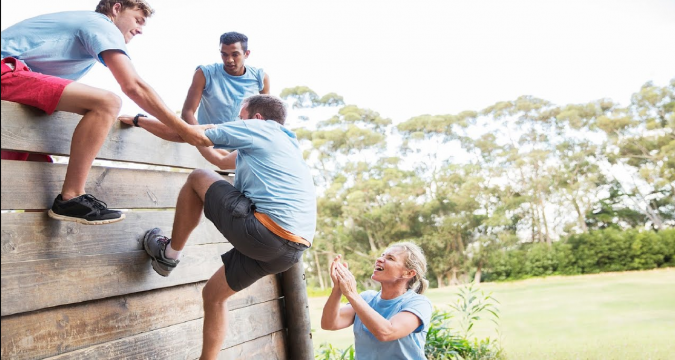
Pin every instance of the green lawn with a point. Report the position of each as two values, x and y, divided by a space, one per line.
628 315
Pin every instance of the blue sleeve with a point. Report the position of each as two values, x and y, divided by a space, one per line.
231 135
421 307
99 36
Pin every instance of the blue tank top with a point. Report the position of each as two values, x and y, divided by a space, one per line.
224 93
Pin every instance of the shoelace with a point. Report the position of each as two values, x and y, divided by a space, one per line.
96 203
163 240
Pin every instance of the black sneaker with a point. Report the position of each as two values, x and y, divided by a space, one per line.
84 209
155 245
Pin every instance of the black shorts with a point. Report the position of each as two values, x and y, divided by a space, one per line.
257 251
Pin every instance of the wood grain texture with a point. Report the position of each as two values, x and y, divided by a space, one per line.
33 186
28 129
31 236
183 341
39 284
268 347
67 328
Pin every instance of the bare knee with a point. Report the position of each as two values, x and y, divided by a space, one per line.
107 106
213 296
201 179
112 104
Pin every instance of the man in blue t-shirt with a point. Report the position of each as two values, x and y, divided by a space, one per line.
268 215
216 93
42 58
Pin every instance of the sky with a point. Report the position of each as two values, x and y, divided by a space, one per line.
405 58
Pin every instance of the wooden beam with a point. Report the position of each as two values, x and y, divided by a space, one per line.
294 288
33 186
184 341
58 330
28 236
39 284
28 129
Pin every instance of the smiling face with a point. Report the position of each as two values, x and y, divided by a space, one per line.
129 21
233 56
390 266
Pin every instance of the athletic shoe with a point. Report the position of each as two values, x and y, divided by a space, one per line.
155 245
84 209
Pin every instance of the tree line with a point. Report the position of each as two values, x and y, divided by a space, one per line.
471 186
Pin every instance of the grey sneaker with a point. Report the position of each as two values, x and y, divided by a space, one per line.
155 244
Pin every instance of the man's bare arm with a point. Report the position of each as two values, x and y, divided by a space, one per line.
266 85
146 97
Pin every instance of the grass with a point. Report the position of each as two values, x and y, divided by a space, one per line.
628 315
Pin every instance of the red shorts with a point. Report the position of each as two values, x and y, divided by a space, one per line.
26 87
23 86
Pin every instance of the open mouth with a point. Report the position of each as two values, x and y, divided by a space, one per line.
378 268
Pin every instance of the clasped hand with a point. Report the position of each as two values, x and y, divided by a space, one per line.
342 278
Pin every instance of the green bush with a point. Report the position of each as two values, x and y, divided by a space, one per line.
444 344
603 250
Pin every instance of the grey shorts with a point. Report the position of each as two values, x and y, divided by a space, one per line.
257 251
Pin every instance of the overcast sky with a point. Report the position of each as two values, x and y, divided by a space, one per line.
406 58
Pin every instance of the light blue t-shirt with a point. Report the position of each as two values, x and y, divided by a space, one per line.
410 347
271 172
224 93
65 44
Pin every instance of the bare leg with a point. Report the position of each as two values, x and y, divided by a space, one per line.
99 109
190 205
215 295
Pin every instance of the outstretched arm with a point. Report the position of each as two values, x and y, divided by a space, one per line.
153 126
146 97
399 326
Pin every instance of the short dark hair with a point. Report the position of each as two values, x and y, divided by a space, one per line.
270 107
105 6
232 37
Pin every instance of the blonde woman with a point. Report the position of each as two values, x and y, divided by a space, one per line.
388 324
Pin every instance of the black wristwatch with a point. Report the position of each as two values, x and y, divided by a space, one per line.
136 119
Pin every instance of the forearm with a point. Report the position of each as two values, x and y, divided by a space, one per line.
146 97
159 129
380 327
331 311
223 159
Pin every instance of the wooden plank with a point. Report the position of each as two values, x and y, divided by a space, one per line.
67 328
28 129
33 186
183 341
268 347
33 285
35 236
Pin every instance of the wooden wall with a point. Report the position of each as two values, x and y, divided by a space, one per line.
89 292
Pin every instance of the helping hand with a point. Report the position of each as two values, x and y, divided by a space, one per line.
194 135
126 119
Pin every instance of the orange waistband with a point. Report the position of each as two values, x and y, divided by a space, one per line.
278 230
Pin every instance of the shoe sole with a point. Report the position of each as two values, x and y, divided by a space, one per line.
155 264
56 216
